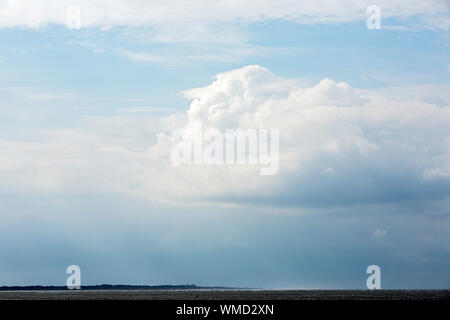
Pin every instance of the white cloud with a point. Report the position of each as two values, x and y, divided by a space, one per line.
146 110
328 171
442 168
169 17
225 53
378 148
143 57
379 233
34 94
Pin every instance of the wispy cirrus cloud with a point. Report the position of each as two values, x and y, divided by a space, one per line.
147 109
225 53
31 93
143 57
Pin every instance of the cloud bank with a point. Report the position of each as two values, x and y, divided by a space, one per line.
338 146
170 17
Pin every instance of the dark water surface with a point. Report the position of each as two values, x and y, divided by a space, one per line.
228 295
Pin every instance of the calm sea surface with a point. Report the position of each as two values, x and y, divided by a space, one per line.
228 295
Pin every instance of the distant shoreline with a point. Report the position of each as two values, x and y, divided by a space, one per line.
111 287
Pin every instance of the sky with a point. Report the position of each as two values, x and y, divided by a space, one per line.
91 93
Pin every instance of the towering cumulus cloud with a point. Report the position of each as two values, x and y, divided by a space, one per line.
338 146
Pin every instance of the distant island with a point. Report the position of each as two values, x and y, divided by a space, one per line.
114 287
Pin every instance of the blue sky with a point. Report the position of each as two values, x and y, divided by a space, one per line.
86 116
